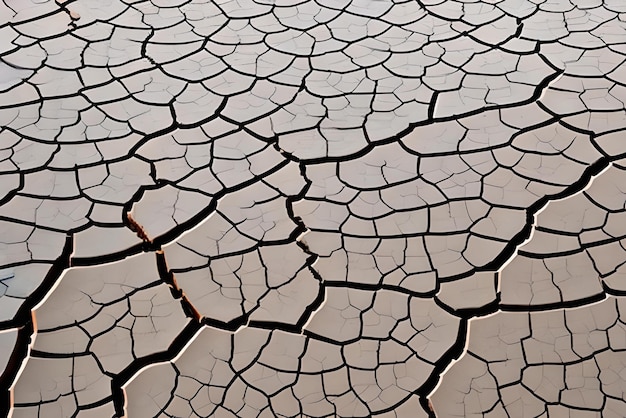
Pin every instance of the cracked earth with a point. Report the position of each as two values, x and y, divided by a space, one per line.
285 208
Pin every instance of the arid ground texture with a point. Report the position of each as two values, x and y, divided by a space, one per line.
313 208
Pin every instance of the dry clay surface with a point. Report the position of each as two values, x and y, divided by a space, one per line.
317 208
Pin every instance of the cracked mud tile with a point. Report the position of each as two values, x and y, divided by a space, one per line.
73 386
27 256
471 294
563 362
17 283
8 340
94 324
88 244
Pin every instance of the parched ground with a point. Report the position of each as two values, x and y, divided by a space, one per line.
313 208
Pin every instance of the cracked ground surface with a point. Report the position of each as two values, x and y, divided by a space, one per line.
260 208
